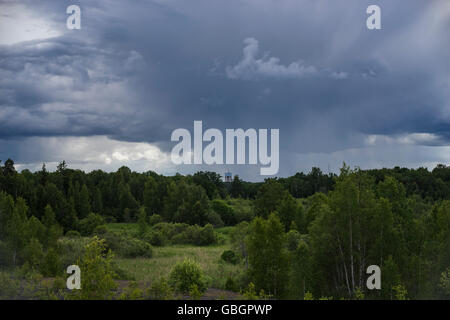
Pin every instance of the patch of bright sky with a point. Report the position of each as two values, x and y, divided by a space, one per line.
18 24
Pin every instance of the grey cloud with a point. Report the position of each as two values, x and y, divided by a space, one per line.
251 67
65 87
137 72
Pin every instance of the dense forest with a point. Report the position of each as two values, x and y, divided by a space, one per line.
306 236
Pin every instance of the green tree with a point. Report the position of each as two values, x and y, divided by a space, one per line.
236 188
151 196
33 253
97 277
289 211
6 212
301 275
88 224
268 258
186 203
97 202
17 229
269 197
127 201
84 207
142 221
238 238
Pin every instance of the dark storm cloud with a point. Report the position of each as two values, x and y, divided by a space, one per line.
137 71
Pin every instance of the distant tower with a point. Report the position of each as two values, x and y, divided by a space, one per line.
228 177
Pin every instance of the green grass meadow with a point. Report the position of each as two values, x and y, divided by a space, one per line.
165 257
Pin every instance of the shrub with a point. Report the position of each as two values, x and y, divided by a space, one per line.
242 208
250 293
155 238
98 273
73 234
200 236
155 219
9 287
185 275
206 236
132 248
132 292
231 285
215 219
445 281
225 212
88 224
51 266
230 257
33 253
160 290
127 247
181 233
195 293
169 230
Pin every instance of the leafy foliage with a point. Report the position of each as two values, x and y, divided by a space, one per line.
186 276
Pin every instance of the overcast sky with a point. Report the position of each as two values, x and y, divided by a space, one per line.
111 93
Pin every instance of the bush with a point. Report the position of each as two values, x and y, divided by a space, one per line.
33 253
169 230
250 293
215 219
160 290
127 247
88 224
9 287
200 236
155 238
225 212
132 292
231 285
195 293
185 275
155 219
73 234
181 233
98 273
206 236
51 265
132 248
242 208
230 257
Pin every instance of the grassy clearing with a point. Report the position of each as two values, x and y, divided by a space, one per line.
164 258
149 270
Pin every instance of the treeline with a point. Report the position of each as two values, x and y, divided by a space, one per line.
117 196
